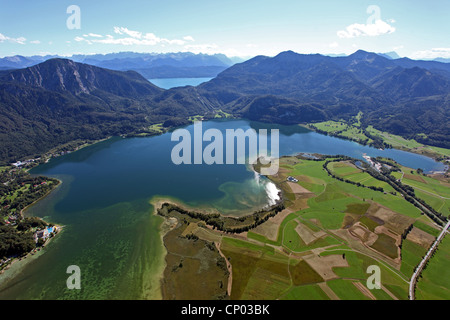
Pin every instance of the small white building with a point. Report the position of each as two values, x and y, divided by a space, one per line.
43 234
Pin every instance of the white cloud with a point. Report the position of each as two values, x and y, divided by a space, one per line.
131 33
379 27
132 37
20 40
93 35
35 42
432 54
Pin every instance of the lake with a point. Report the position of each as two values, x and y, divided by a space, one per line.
169 83
103 204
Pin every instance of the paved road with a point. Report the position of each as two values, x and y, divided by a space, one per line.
425 260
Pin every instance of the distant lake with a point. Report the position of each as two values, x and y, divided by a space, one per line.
169 83
103 203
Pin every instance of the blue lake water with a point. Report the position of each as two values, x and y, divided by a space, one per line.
103 203
169 83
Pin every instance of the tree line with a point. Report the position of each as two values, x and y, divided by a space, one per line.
358 184
223 223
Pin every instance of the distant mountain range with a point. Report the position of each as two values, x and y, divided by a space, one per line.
150 65
60 100
402 96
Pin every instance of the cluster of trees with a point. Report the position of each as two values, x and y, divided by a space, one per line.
14 243
192 236
16 239
226 224
258 220
406 190
175 122
325 156
425 120
377 142
31 222
409 195
339 135
437 217
397 185
403 237
389 162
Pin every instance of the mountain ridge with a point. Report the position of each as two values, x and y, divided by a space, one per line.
60 100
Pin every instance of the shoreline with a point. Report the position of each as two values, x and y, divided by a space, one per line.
432 155
15 265
48 156
164 227
23 211
36 252
169 223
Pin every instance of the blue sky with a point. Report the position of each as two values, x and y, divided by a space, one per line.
413 28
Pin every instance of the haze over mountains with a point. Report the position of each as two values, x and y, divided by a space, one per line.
150 65
60 100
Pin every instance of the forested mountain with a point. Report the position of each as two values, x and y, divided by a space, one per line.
291 88
59 100
66 76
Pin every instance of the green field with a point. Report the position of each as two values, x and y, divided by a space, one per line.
386 245
346 290
349 172
412 253
307 292
257 271
434 282
294 243
274 269
427 228
433 191
352 130
369 223
342 129
394 140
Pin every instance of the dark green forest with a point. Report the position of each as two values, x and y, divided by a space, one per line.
41 111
